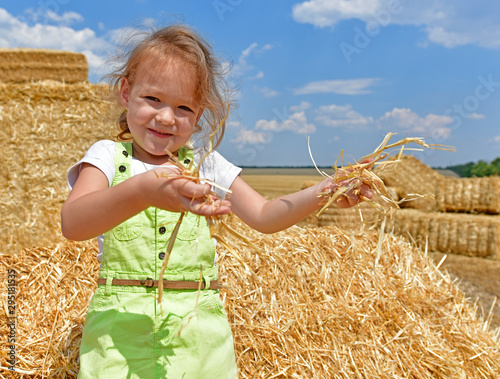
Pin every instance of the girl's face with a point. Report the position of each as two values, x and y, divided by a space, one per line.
162 109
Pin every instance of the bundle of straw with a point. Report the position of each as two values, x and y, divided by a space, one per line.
352 176
353 218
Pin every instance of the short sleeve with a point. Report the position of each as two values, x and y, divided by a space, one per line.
218 170
101 155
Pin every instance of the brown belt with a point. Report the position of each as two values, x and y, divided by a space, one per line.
168 284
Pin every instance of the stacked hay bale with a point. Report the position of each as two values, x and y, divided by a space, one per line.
469 195
26 65
46 126
410 176
461 218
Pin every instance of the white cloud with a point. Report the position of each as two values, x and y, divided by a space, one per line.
267 92
405 119
66 18
496 138
304 105
341 116
296 123
328 12
476 116
243 66
251 137
258 75
342 87
449 23
14 32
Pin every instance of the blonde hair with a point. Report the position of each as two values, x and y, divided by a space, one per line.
178 42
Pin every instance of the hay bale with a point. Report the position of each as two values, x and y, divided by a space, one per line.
26 65
46 128
361 216
307 305
53 287
314 307
411 176
471 195
455 233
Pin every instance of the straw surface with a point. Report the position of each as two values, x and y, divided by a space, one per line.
316 309
52 292
26 65
46 128
411 176
471 195
455 233
307 304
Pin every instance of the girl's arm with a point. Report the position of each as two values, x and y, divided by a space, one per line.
93 208
269 216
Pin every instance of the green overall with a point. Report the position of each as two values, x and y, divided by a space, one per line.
126 333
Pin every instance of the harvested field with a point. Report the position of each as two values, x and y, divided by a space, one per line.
271 186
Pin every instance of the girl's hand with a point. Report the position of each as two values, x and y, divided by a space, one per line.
167 189
356 194
350 198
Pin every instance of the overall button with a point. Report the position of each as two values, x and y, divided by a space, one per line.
161 255
124 152
122 168
162 230
187 161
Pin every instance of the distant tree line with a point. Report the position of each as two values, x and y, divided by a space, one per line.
478 169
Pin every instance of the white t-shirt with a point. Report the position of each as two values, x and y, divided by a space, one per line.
214 168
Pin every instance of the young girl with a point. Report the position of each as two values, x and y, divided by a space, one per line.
128 195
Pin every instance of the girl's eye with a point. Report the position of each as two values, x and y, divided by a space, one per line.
185 108
152 98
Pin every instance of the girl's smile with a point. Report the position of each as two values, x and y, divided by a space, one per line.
160 134
162 109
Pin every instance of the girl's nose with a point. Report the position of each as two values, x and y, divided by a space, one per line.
165 116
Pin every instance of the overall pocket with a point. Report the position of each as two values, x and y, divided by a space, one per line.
130 229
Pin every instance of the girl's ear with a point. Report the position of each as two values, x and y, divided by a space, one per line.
124 92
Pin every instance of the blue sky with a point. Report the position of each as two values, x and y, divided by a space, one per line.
342 72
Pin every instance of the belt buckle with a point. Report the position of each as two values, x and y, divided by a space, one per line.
149 282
